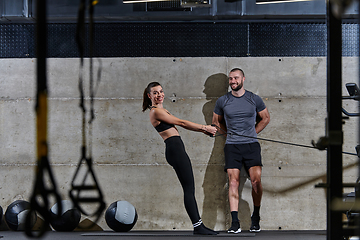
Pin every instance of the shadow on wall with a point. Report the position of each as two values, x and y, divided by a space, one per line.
216 206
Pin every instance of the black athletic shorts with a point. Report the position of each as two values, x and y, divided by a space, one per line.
248 154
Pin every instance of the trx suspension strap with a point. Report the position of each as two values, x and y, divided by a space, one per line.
43 188
84 186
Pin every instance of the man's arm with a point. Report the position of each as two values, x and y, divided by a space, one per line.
218 120
264 120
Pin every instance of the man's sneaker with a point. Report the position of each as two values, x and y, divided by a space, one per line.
255 226
235 228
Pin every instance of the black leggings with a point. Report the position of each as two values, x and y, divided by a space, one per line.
177 157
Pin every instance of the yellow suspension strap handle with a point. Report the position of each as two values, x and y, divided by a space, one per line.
44 186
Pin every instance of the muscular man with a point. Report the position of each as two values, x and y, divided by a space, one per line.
236 113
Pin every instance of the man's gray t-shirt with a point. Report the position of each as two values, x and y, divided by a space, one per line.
240 116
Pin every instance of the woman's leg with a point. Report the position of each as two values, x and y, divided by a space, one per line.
180 161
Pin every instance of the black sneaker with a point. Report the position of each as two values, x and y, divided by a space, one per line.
202 230
255 226
235 228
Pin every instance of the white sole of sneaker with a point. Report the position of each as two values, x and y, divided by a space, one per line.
237 231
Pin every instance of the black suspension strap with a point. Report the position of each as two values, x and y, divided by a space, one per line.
45 185
86 190
315 145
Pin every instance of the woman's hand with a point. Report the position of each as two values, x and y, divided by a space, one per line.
209 130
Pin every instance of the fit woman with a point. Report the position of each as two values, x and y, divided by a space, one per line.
175 153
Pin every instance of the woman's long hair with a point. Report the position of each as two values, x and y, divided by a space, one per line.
146 99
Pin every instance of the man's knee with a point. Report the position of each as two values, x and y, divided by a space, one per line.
256 183
255 176
234 178
234 183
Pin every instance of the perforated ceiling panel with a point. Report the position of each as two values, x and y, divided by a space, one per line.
288 39
201 39
17 40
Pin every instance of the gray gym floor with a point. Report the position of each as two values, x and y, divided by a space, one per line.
172 235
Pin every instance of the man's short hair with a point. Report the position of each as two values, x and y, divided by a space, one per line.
238 69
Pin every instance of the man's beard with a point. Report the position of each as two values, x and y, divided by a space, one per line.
238 87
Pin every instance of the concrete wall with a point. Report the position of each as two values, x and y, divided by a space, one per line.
129 155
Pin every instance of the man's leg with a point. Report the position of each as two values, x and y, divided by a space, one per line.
257 190
234 182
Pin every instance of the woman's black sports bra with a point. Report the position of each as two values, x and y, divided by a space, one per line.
163 126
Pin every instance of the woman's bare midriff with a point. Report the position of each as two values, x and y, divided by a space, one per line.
169 133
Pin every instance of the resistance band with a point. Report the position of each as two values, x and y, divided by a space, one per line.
275 141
